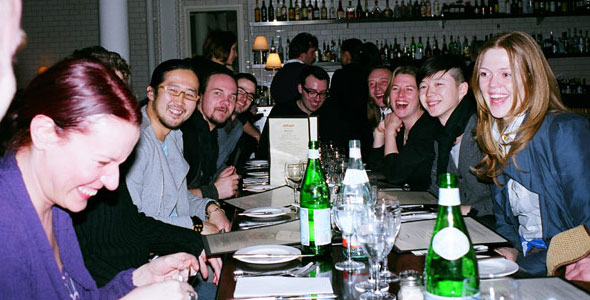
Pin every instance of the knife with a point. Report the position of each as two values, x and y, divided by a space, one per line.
269 255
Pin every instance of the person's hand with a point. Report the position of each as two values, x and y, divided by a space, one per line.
508 253
169 289
172 266
379 135
393 124
215 263
380 127
219 219
579 270
209 228
227 183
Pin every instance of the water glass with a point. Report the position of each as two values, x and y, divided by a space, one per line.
293 176
344 213
499 289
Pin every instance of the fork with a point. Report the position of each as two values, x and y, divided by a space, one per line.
294 272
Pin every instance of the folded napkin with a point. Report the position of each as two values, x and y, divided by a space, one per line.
281 286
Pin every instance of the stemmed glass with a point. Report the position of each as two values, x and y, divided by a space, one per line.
373 227
344 210
293 176
393 207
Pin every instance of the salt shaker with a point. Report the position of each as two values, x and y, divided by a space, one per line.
411 287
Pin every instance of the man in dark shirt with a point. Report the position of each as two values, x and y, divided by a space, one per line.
301 53
216 104
313 89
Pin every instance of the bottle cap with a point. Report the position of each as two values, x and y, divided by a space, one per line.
410 278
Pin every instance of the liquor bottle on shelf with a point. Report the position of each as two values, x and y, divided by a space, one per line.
279 10
314 214
413 49
387 12
297 11
398 10
340 13
332 11
356 188
376 13
291 13
416 9
316 11
273 49
419 49
428 50
280 49
436 51
304 13
436 9
367 11
350 13
324 11
310 11
445 49
466 48
271 12
359 10
451 267
263 12
284 11
257 13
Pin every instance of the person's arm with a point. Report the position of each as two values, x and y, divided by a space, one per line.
250 130
121 285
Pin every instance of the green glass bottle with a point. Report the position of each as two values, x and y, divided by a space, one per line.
451 268
314 214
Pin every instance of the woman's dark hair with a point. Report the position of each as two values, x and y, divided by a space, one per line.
218 44
68 93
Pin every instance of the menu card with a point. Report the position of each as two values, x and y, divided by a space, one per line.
288 139
549 288
281 234
416 235
281 196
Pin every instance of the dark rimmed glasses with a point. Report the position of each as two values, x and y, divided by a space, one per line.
249 96
314 93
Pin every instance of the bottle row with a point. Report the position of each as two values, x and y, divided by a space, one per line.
573 86
573 42
413 10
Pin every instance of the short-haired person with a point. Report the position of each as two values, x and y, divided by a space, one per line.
77 124
444 95
536 153
350 51
221 47
302 52
404 142
11 38
109 58
313 86
216 104
230 135
378 81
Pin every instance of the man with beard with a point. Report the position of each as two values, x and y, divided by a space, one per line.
217 93
313 90
230 137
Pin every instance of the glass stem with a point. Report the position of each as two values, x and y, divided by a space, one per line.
384 268
375 273
348 248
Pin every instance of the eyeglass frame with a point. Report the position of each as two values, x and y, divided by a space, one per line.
314 93
181 91
249 96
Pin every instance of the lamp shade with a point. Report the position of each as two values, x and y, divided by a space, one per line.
260 43
273 61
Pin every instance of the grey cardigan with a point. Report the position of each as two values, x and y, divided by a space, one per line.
157 183
473 191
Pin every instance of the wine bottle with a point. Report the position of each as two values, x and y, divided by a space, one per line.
451 267
350 14
291 12
271 12
284 12
340 13
356 188
324 11
263 12
257 13
314 214
316 11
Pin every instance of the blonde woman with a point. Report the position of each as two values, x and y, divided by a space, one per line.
534 151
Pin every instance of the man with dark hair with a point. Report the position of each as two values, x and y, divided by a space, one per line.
350 51
313 87
217 100
444 93
301 52
230 137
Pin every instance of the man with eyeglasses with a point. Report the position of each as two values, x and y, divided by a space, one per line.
232 142
218 93
313 90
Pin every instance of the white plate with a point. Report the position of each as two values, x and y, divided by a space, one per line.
269 212
268 249
258 187
259 174
257 162
496 267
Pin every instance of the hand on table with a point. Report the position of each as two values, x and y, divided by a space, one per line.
508 253
227 183
173 266
170 289
215 263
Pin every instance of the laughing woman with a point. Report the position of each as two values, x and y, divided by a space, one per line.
536 153
404 141
77 124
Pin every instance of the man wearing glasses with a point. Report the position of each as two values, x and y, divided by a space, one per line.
313 90
230 136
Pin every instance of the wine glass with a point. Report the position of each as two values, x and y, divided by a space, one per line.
393 207
373 228
499 289
293 177
343 211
